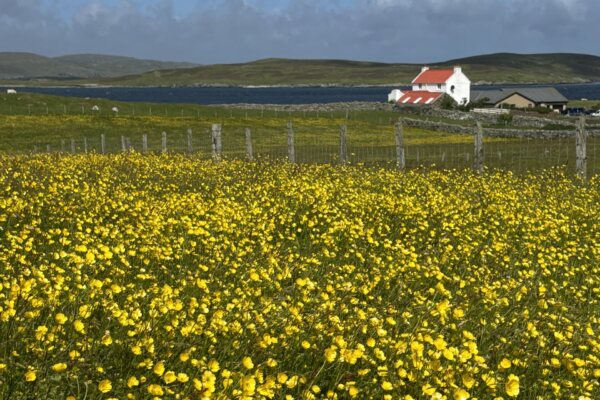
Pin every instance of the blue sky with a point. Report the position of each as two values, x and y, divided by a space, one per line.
225 31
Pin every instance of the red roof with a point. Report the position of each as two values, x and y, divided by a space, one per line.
419 97
434 76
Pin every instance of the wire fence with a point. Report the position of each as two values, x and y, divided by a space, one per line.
380 148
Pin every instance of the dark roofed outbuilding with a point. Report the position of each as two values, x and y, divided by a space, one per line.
521 97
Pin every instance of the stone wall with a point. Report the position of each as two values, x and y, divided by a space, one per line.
495 132
317 107
521 125
519 119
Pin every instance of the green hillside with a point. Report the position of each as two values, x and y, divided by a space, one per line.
531 68
493 68
29 65
112 66
26 66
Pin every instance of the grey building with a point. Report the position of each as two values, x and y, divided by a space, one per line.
526 97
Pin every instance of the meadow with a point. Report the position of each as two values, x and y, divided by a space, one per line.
40 123
170 276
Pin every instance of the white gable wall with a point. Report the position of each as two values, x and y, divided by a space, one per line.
395 95
462 87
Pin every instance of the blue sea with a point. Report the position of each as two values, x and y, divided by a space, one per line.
267 95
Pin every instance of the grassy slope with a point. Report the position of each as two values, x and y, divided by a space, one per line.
29 65
23 65
492 68
112 66
498 68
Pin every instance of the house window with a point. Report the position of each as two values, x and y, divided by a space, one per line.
452 89
439 85
420 86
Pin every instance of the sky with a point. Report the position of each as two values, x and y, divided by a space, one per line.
229 31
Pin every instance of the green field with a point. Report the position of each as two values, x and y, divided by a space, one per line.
32 122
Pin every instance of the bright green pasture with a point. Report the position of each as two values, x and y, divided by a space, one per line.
34 122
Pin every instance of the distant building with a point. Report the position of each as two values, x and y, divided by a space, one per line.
527 97
11 91
431 85
395 95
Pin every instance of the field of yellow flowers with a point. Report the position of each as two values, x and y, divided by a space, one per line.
171 277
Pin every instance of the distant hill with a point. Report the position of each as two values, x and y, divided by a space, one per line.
492 68
28 65
77 66
111 70
106 65
531 68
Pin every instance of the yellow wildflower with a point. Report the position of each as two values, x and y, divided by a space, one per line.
512 385
105 386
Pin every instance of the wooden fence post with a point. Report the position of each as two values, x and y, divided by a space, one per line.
103 143
581 149
163 147
85 145
144 143
48 148
72 146
290 143
123 144
478 154
249 150
216 141
343 145
189 141
400 155
62 145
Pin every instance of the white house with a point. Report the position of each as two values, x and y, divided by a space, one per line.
432 84
11 91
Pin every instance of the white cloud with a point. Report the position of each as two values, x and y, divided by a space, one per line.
239 30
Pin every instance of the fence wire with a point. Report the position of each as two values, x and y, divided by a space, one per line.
322 145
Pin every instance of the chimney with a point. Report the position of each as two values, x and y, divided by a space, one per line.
424 69
457 69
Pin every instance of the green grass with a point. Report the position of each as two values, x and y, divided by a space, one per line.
33 122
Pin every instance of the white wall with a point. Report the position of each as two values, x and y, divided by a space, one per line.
395 95
430 87
462 87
